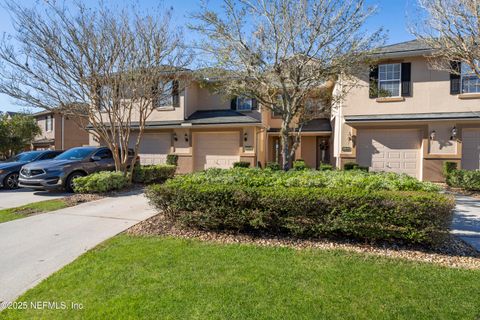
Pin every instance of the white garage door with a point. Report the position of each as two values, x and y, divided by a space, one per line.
390 150
216 150
154 148
471 149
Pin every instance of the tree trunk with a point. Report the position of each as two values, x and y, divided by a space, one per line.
284 138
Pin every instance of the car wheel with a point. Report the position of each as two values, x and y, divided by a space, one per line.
69 183
11 181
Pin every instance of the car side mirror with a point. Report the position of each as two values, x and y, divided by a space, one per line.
96 158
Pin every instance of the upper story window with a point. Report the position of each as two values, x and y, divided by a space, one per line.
244 104
48 123
389 79
470 82
168 94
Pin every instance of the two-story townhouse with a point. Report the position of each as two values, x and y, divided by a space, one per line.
207 130
58 132
405 116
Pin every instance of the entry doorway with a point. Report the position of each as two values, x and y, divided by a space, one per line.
323 151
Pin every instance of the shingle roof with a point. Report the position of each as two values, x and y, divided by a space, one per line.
417 116
407 48
219 117
315 125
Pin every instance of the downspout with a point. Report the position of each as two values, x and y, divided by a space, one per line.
63 133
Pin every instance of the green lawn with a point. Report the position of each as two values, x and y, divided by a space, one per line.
163 278
32 208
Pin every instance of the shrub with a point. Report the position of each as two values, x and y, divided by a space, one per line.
465 179
101 182
350 166
448 167
325 167
312 178
414 217
241 164
275 166
299 165
153 173
172 159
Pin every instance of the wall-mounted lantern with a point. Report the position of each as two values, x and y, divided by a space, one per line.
433 134
454 133
245 136
186 137
175 136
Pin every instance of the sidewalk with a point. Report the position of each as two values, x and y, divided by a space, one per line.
35 247
466 220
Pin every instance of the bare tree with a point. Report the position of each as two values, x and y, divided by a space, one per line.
282 52
110 67
452 29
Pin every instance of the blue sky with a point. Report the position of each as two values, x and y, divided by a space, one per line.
392 15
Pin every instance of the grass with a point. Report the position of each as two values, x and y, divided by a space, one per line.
31 208
131 277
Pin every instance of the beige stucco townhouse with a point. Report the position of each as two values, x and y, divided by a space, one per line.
58 132
207 130
406 117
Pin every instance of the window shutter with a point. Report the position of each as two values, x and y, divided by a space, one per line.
233 103
373 77
254 104
175 94
406 81
455 78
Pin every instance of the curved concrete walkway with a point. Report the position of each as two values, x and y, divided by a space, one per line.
466 220
21 197
33 248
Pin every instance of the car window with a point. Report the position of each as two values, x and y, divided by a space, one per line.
26 156
49 155
104 154
75 153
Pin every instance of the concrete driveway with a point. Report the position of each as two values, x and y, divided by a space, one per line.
20 197
466 220
33 248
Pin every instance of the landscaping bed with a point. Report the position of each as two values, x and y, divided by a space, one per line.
336 204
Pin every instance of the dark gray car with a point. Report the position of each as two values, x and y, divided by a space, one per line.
60 172
9 170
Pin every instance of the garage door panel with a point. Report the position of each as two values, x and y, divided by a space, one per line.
216 150
471 149
390 150
154 148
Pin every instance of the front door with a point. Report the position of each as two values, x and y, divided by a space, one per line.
323 151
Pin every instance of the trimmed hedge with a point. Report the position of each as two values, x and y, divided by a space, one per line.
325 167
241 164
311 178
100 182
449 166
354 166
172 159
153 173
465 179
413 217
275 166
299 165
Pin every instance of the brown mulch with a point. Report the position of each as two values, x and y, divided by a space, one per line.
452 253
78 198
448 189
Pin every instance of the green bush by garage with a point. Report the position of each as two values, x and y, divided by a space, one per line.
306 211
158 173
465 179
101 182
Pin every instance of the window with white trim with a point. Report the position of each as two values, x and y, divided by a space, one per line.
48 123
244 104
389 79
469 80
